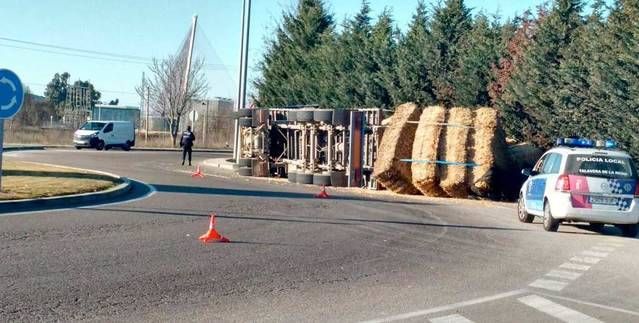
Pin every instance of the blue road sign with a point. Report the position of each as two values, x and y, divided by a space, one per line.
11 94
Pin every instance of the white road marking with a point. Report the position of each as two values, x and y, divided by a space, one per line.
605 249
570 265
577 301
557 311
563 274
587 260
595 254
443 308
455 318
548 284
152 191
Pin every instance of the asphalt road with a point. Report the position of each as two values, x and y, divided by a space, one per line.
354 257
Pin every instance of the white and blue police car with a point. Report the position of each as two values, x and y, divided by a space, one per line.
581 180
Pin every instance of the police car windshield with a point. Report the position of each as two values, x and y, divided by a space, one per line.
93 126
601 166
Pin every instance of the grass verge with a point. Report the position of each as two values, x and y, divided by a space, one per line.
22 180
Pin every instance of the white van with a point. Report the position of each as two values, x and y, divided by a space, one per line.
105 135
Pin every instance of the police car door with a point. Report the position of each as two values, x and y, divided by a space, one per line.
545 169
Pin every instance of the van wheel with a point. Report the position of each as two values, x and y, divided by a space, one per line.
107 147
78 147
100 145
521 211
629 230
550 224
126 147
598 227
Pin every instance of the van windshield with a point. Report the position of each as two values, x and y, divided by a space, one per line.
601 166
93 126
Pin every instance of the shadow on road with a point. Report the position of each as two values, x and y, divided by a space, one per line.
335 221
269 194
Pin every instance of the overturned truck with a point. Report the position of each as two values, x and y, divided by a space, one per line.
431 151
309 145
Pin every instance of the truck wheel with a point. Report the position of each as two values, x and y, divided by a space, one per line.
245 171
323 115
339 179
521 211
550 224
292 116
292 176
304 115
246 162
243 113
322 179
629 230
100 145
304 178
341 117
246 122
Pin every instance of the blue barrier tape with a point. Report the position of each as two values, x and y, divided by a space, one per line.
441 162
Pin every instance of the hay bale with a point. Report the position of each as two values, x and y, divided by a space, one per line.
454 178
396 144
486 148
426 147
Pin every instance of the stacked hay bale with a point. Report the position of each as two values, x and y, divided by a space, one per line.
397 144
486 149
426 148
454 178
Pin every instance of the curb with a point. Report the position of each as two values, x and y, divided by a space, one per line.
219 163
67 201
21 148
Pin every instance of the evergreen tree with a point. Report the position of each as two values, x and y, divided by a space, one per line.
287 78
478 53
450 24
413 54
382 49
533 86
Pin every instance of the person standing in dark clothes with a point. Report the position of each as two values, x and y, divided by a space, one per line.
188 137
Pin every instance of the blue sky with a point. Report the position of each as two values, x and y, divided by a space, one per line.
156 28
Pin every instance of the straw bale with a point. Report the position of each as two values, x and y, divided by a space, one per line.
396 144
454 178
426 148
486 148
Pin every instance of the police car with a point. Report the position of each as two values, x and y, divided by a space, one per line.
580 180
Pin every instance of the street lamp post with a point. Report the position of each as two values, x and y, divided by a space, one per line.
241 95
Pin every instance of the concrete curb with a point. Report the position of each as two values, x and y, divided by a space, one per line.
222 163
67 201
21 148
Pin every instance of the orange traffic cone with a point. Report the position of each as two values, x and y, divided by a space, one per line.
322 194
212 235
198 173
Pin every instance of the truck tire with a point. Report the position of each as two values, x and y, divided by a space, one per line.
322 179
246 122
292 116
246 162
245 171
341 117
292 176
244 113
339 179
304 178
304 116
323 115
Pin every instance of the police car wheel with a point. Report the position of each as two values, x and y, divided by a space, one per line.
596 226
629 230
521 211
550 224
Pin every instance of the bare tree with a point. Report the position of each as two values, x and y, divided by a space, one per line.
168 96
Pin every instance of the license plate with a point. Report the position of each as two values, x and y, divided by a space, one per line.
603 200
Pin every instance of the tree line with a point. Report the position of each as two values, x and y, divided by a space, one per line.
566 68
